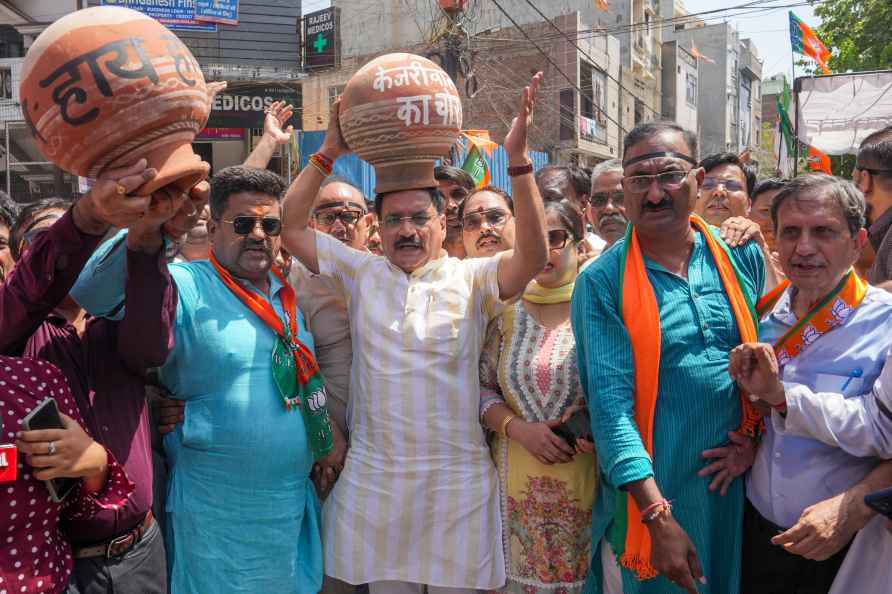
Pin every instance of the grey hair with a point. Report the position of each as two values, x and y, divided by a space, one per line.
813 186
606 167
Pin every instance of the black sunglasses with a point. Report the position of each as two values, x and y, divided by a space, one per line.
557 239
244 225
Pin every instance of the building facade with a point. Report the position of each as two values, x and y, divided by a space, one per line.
680 83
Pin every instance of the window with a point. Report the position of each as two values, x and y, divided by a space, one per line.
568 114
639 111
334 92
690 86
5 83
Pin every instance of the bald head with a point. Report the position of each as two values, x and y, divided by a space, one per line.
340 211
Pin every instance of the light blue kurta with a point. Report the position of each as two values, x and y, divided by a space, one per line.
242 513
697 405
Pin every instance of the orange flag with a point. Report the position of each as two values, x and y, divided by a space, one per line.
805 41
818 160
602 4
698 56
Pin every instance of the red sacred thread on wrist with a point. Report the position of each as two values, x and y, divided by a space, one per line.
520 170
322 163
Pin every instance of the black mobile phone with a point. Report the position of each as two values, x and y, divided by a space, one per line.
46 416
880 501
578 426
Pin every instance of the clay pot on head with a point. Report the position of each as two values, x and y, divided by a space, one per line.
104 87
401 113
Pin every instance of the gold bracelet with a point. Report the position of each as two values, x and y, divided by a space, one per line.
505 423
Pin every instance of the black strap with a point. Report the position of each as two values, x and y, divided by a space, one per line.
649 156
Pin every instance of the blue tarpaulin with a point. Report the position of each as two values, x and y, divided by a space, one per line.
363 175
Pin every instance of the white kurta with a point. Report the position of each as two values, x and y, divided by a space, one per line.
417 500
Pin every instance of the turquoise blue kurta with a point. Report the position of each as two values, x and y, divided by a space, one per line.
243 516
697 404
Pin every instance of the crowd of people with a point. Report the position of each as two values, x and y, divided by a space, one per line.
267 388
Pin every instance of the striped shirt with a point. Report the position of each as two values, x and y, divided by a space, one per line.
417 500
697 404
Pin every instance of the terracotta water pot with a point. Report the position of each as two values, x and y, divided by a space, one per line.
401 113
103 87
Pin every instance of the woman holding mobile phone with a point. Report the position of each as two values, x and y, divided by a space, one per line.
34 554
529 382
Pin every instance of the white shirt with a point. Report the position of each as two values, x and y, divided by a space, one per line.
325 313
834 426
417 500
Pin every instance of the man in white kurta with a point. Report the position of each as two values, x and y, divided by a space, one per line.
417 500
416 506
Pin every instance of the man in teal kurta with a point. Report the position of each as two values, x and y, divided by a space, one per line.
242 513
697 403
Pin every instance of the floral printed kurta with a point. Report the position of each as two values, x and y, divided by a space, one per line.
546 509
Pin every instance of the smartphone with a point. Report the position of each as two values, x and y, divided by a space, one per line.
880 501
46 416
578 426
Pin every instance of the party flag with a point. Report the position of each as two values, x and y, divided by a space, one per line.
818 160
805 41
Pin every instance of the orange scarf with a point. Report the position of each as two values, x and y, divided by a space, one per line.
829 312
294 367
629 537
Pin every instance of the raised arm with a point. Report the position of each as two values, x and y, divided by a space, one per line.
47 271
297 236
273 135
518 267
145 335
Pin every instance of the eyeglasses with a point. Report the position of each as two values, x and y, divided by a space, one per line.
711 183
557 239
495 217
600 199
667 180
245 225
419 220
347 217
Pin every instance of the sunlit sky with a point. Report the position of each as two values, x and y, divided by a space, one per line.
768 28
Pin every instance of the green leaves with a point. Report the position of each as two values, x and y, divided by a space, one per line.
858 31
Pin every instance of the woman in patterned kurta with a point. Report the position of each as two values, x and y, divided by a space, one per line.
529 380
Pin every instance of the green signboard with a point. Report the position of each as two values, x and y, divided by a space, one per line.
320 39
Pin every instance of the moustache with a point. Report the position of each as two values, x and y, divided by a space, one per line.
489 235
612 218
662 204
807 262
256 245
407 242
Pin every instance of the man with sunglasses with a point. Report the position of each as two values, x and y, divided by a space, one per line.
487 222
455 185
242 513
417 504
873 176
654 325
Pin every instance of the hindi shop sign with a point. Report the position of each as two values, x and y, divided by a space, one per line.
320 39
245 108
173 14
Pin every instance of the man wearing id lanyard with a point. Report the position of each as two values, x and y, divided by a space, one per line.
825 338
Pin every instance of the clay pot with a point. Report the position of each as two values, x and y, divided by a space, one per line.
103 87
401 113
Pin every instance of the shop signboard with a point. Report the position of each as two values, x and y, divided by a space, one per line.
320 39
217 11
173 14
245 107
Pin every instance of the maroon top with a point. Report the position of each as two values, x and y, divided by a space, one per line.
34 554
103 368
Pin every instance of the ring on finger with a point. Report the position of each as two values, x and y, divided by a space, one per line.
121 190
51 449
